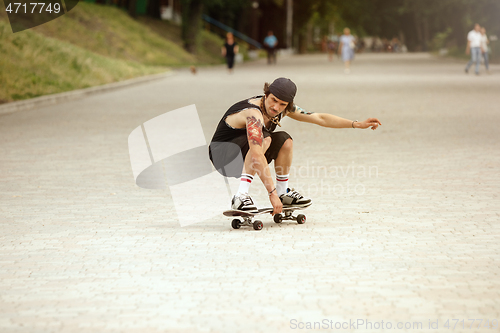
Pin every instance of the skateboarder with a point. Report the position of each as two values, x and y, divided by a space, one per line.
245 143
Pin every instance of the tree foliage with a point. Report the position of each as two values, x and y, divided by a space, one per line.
417 20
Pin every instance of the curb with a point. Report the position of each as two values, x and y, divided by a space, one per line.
76 94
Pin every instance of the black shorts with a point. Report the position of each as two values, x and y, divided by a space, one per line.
229 157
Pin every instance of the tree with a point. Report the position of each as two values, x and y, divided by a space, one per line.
418 21
302 13
192 11
132 8
154 9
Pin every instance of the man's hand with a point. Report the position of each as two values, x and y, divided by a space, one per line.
370 122
467 51
276 202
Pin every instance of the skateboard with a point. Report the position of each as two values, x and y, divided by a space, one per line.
248 218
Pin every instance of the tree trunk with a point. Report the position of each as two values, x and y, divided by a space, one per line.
132 8
426 37
418 30
302 42
289 24
154 9
191 19
309 36
254 22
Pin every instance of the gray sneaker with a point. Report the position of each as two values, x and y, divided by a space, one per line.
294 198
243 202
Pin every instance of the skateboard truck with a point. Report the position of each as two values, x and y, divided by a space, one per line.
278 218
247 221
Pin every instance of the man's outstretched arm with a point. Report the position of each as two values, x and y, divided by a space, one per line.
331 121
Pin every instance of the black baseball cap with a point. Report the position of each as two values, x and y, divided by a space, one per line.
283 89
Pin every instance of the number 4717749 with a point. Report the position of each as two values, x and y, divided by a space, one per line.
25 8
477 323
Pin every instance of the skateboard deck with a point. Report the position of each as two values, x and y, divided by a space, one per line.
235 212
248 218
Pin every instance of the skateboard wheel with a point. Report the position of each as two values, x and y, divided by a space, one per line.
278 218
236 224
257 225
301 219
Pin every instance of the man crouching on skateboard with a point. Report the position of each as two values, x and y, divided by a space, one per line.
245 143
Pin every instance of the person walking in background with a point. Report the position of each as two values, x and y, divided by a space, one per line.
229 50
395 45
346 49
331 45
474 48
270 44
484 49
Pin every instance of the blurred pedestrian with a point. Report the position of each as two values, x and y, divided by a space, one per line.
324 42
331 45
474 38
230 50
386 45
270 44
484 49
395 45
377 45
346 49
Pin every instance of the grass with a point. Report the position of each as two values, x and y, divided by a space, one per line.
32 65
109 31
90 46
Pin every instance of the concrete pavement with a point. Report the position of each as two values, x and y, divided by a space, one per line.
404 227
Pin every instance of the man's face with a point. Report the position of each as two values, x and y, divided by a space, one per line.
477 27
274 105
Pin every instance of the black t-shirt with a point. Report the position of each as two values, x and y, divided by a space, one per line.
228 143
225 133
230 49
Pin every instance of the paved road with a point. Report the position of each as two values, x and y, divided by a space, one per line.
404 227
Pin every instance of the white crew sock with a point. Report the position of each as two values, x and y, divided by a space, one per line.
245 182
281 184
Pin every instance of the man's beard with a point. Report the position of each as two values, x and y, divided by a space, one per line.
275 119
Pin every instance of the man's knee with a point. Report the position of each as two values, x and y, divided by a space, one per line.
288 145
267 142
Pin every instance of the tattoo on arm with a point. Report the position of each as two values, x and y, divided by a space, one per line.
297 108
254 131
